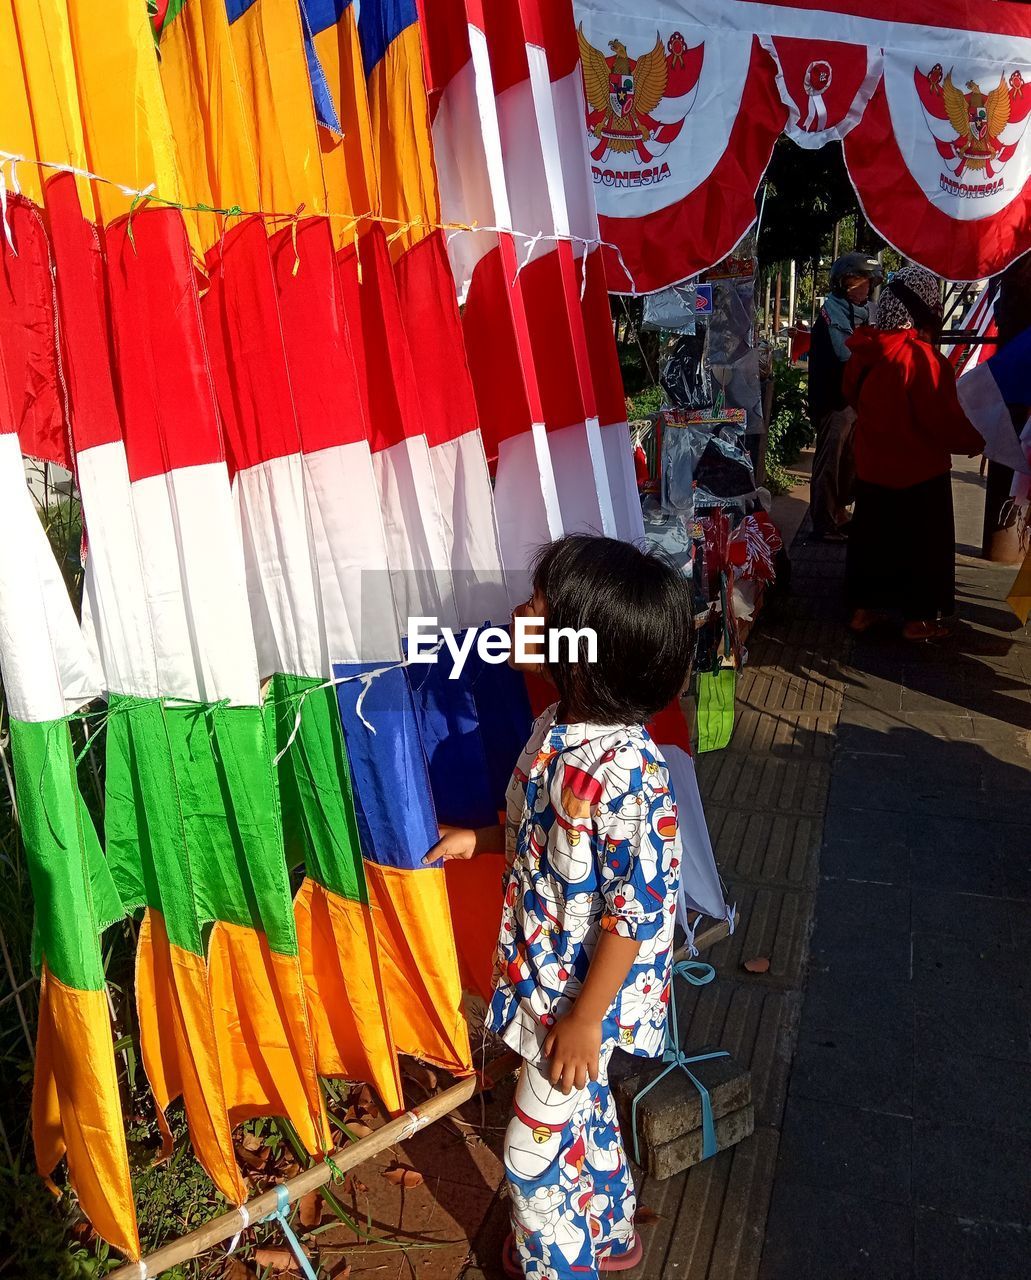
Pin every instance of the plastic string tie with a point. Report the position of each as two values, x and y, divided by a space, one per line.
279 1214
3 214
531 243
245 1216
366 679
697 974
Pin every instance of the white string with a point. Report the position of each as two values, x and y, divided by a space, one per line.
3 213
136 194
365 678
531 243
245 1222
413 1123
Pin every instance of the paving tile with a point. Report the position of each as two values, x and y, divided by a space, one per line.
762 848
771 785
985 964
953 1248
782 733
865 727
974 918
845 1149
739 1239
855 1044
865 860
774 924
857 823
1010 706
756 1025
968 1085
817 1234
972 1171
863 929
885 782
998 1026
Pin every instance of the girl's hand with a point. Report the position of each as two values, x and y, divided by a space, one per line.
573 1045
454 842
463 843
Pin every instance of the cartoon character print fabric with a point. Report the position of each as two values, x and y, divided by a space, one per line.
593 843
571 1190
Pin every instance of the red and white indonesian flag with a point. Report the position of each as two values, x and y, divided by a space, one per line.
507 105
685 99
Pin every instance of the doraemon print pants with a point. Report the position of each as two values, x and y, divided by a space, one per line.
570 1184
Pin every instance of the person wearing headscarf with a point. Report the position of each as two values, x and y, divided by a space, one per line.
909 423
843 311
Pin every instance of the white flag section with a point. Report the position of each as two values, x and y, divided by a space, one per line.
470 530
47 670
986 394
474 191
700 887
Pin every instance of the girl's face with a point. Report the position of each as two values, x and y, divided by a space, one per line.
534 608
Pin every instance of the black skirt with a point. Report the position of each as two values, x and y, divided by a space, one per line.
902 550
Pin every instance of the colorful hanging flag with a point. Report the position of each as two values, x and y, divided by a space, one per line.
419 967
986 394
48 675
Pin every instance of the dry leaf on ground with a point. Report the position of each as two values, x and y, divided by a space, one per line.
257 1160
278 1259
237 1269
354 1129
402 1176
760 964
644 1217
309 1210
420 1074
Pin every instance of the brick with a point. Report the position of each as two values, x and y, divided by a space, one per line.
673 1107
684 1152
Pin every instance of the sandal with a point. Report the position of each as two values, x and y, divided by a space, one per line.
918 631
865 619
512 1267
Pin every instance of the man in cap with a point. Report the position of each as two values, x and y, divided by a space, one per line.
844 310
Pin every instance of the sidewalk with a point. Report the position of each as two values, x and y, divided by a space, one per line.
882 791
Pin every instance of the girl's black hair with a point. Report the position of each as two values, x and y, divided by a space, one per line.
639 606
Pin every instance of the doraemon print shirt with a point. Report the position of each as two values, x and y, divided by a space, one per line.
593 843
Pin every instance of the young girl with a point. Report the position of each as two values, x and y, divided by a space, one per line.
593 846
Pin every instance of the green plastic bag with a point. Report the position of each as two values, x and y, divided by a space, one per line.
715 708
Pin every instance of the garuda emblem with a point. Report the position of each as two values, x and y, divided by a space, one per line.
982 123
623 92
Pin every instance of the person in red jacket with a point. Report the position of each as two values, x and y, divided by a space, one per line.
902 540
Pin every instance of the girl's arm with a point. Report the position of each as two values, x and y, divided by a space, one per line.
574 1043
466 842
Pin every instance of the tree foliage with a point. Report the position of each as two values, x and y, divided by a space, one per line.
807 192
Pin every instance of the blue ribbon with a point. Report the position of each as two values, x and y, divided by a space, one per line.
279 1214
698 974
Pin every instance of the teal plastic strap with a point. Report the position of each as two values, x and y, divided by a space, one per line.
697 974
280 1214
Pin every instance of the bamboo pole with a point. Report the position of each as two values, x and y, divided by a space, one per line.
229 1224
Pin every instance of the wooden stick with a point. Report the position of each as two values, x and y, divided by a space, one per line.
706 939
229 1224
